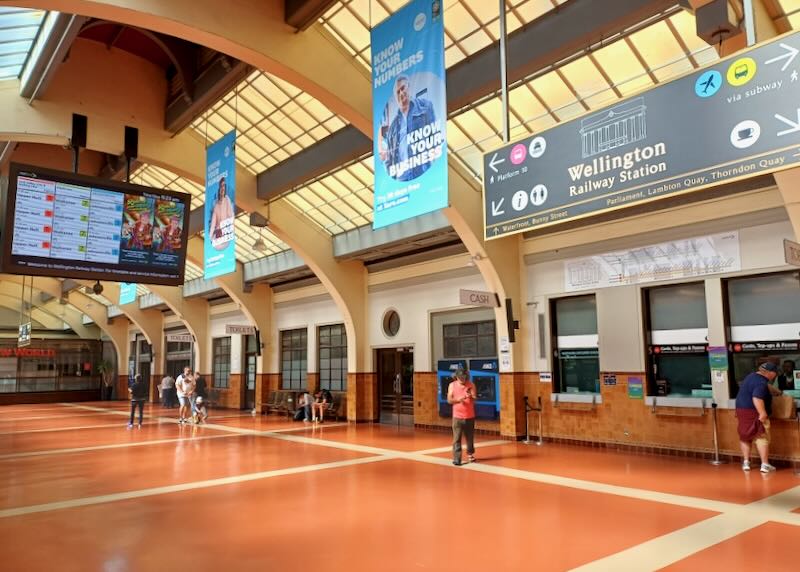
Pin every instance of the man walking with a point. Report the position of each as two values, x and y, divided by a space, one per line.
461 395
753 407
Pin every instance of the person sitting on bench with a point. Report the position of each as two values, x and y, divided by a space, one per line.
322 398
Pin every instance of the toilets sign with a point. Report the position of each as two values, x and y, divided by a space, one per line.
736 119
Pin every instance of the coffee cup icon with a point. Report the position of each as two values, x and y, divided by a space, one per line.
745 133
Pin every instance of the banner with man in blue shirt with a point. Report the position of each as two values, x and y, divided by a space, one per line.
409 113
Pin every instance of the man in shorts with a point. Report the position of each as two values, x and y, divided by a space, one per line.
184 386
753 407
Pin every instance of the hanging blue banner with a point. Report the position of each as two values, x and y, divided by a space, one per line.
409 113
220 239
127 293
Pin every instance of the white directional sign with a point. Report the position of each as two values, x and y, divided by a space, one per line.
736 119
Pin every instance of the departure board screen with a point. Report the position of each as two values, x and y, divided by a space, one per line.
73 226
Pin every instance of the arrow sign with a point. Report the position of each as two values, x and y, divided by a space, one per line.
496 207
494 162
789 56
794 125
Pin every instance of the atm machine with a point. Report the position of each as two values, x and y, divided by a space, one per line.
445 371
485 374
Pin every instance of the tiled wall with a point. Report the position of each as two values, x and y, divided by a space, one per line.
624 420
230 397
362 396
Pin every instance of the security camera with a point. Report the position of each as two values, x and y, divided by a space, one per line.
97 288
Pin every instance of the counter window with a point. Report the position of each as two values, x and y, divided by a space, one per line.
677 330
764 324
574 328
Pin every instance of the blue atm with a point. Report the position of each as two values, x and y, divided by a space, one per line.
485 374
445 370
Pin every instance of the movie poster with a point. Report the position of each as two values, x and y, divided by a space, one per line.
167 233
136 240
409 113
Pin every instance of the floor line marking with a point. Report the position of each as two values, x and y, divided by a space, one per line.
8 456
447 449
76 428
102 499
544 478
75 415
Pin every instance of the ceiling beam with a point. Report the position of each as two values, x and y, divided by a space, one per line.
301 14
558 34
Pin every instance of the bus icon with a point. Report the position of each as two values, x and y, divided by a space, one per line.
741 71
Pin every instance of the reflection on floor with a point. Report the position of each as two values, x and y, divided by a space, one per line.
79 491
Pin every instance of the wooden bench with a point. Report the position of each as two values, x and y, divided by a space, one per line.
281 401
337 409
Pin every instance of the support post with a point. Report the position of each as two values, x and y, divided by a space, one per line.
506 134
749 22
716 461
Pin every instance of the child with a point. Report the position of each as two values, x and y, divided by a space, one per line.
200 411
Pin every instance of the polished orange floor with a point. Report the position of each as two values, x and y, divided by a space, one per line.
79 491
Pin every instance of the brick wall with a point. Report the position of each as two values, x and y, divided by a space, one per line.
266 383
230 397
312 382
362 396
623 420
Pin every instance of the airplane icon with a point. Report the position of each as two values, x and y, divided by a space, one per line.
708 84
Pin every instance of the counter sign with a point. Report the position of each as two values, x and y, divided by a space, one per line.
478 298
736 119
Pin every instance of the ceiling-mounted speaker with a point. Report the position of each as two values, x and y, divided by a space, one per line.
79 127
131 142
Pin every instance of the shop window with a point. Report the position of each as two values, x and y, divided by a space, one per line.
294 358
470 340
574 327
333 357
222 361
764 325
677 327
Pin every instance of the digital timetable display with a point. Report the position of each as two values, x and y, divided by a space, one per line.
73 226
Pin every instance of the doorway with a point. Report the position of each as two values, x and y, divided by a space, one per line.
396 385
250 372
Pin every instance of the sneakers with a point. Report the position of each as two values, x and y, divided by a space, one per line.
745 465
457 463
767 468
130 425
139 426
471 458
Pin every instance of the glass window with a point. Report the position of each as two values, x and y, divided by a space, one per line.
333 357
682 374
578 361
470 340
764 300
579 370
294 356
678 307
576 316
222 361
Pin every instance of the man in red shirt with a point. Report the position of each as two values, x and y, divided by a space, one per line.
461 395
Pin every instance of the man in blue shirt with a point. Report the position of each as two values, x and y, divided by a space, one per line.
753 407
413 113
